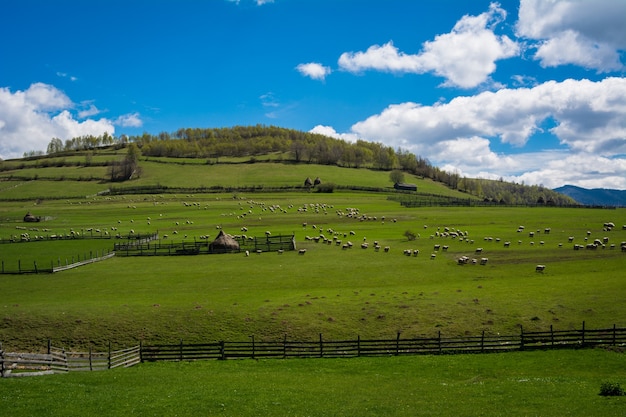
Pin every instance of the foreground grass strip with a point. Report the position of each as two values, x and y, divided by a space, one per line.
564 383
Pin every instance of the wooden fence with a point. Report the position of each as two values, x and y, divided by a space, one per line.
57 360
163 248
565 339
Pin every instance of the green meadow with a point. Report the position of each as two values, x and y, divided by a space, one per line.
557 383
340 293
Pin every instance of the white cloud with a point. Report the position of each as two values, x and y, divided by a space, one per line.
29 119
465 57
92 110
314 70
589 121
330 132
589 117
129 120
588 33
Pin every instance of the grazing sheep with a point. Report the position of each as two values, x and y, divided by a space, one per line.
302 251
483 261
540 268
479 250
416 252
386 249
247 253
433 256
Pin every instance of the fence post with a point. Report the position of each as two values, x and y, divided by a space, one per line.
35 263
521 338
613 334
358 345
222 350
141 351
398 344
1 361
285 346
552 335
252 346
90 363
109 356
439 342
19 265
181 349
482 342
582 343
321 346
49 346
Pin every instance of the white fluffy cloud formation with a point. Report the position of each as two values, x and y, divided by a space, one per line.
330 132
588 33
314 70
465 57
29 119
588 119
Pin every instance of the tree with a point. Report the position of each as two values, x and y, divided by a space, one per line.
129 167
55 145
396 176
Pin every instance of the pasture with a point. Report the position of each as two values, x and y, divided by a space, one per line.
554 383
341 293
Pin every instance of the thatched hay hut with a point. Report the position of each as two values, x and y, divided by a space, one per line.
308 182
224 243
29 218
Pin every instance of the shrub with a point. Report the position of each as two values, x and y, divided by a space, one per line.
325 187
611 389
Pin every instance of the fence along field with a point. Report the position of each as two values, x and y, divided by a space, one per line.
57 360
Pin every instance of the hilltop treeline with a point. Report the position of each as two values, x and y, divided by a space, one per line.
304 147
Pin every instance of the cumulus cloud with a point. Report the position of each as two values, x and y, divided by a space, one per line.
587 118
314 70
588 33
465 57
331 132
29 119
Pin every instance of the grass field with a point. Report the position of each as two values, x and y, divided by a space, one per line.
340 293
563 383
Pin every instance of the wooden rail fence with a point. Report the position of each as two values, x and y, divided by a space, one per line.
564 339
57 360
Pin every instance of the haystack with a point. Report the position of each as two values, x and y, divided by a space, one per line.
224 243
30 218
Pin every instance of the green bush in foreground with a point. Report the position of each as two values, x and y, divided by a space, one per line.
611 389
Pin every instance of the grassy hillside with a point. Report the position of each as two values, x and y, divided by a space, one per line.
69 176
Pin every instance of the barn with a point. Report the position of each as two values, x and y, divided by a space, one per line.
405 186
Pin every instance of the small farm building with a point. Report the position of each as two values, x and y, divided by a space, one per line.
405 186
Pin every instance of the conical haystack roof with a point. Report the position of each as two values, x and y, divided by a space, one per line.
224 241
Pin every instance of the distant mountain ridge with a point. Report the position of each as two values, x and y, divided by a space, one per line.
594 197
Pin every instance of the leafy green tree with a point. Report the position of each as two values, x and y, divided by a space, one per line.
396 176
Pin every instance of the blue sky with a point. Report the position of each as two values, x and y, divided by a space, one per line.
532 91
